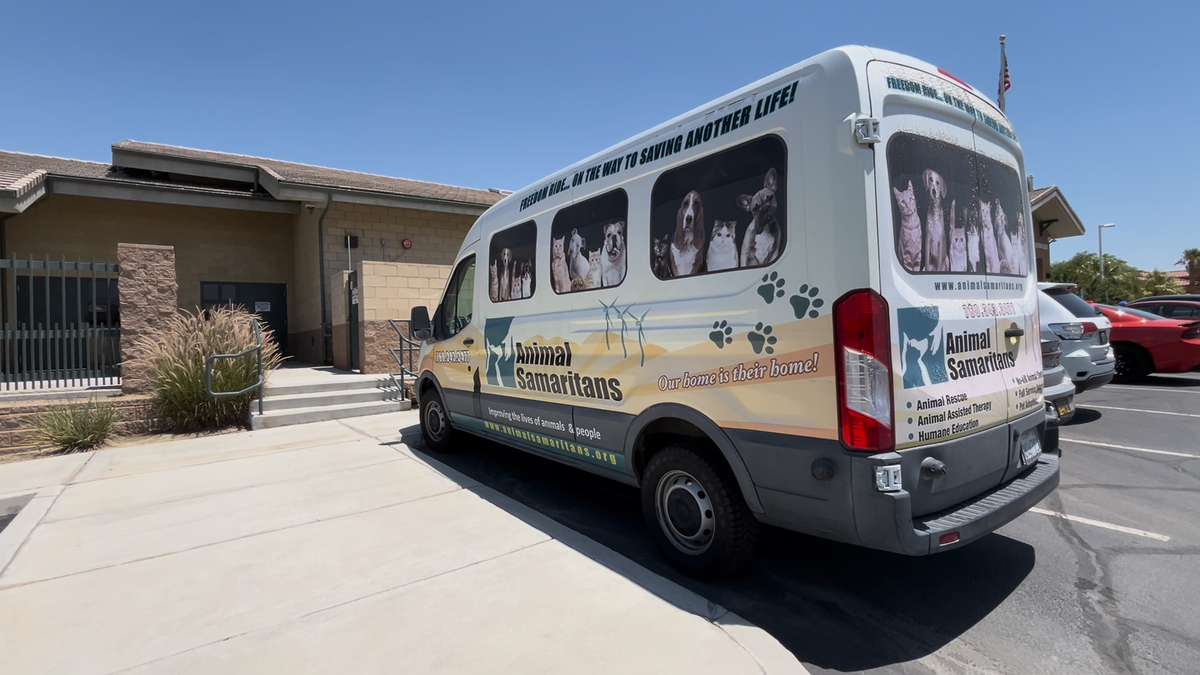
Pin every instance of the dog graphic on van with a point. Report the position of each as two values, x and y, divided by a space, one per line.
686 248
506 274
577 261
760 244
936 255
613 261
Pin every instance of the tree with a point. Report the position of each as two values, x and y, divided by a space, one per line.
1121 280
1191 258
1158 283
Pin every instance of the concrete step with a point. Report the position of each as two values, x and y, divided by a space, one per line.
325 413
274 402
349 383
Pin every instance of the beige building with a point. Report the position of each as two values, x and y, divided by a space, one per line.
281 238
1053 219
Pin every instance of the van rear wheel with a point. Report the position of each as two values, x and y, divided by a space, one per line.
696 513
435 422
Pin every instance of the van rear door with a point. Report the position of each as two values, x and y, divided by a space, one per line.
949 360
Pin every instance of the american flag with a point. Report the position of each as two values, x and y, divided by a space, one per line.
1005 82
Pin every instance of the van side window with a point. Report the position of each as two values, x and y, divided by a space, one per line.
722 212
459 301
587 244
511 266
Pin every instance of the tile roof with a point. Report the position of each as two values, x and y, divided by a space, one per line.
1038 193
317 176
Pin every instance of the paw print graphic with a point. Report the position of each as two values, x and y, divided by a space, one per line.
772 287
720 334
762 340
806 302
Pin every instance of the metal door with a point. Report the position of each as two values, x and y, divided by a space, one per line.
268 301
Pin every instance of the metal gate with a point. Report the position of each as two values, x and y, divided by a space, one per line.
61 323
352 320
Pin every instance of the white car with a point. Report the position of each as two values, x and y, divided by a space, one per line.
1058 389
1087 355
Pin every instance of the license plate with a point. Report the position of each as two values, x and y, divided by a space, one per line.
1031 448
1064 407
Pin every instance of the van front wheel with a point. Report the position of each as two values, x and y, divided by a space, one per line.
435 422
695 512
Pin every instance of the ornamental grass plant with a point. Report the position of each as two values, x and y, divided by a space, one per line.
175 358
76 427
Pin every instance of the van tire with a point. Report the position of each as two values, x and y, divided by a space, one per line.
1133 363
695 512
435 422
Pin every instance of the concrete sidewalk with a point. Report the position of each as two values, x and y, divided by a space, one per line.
329 547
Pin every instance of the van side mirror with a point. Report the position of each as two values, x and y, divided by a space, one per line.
418 323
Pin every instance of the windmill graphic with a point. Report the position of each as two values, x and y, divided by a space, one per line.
608 320
622 314
641 335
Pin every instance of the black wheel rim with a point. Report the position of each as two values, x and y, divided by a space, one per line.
435 421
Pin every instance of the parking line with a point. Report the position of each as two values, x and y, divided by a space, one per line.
1128 447
1152 412
1170 389
1098 523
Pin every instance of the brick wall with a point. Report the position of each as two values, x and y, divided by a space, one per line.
210 244
390 291
17 419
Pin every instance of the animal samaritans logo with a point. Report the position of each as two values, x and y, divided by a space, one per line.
931 356
922 355
540 367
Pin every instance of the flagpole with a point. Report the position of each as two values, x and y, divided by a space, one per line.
1003 66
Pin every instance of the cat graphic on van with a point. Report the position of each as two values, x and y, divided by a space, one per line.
760 244
722 248
558 266
910 228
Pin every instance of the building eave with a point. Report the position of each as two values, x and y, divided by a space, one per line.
165 194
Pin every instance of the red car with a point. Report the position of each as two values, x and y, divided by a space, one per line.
1188 310
1145 343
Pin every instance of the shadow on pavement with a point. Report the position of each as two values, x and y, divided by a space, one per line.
1170 381
835 606
1084 416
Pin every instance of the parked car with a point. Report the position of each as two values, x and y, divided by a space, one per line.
1189 298
1057 388
1146 343
1170 309
1086 353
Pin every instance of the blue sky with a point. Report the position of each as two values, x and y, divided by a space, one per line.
502 94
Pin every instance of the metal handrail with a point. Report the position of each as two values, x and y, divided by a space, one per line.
208 361
407 350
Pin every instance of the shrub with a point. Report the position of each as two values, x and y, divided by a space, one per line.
175 358
75 427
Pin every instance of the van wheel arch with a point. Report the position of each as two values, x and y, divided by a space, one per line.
662 425
426 382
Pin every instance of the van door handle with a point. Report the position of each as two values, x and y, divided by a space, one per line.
1014 332
469 341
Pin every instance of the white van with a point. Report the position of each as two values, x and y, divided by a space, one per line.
808 303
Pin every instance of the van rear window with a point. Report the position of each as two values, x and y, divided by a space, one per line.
955 211
722 212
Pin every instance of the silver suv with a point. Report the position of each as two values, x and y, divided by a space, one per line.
1087 355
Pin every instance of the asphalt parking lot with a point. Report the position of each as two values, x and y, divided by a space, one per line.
1103 577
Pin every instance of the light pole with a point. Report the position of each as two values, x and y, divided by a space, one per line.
1100 234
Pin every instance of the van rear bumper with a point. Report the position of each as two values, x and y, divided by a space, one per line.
884 520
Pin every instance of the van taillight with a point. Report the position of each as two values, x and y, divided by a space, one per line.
862 342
